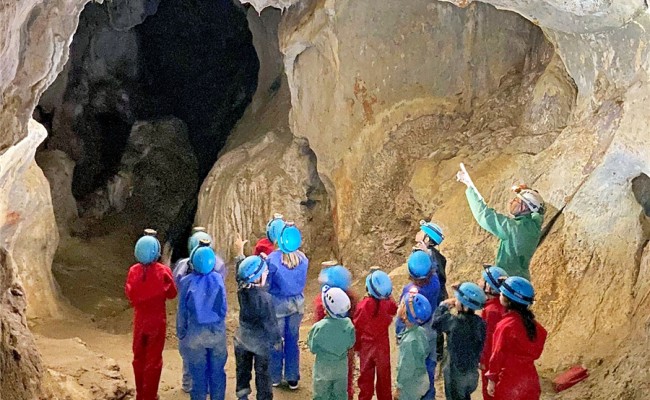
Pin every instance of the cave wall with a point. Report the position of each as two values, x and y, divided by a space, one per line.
389 116
33 48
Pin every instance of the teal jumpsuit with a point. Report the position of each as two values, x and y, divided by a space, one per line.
412 376
518 236
330 339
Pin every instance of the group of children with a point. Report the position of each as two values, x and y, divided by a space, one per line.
502 344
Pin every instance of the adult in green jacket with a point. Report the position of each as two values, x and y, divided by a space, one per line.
518 235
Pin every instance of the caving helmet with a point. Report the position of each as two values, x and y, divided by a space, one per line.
379 285
198 234
433 231
289 239
203 259
335 301
147 248
335 275
274 227
493 275
519 290
530 197
418 308
251 269
419 264
470 295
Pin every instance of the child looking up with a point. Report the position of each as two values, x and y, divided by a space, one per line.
373 316
330 339
465 337
258 329
518 341
148 285
412 377
492 313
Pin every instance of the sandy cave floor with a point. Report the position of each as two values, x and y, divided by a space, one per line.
100 322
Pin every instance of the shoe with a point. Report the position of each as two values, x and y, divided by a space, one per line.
186 389
293 385
275 384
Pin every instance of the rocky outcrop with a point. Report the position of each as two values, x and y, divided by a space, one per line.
264 168
391 98
58 169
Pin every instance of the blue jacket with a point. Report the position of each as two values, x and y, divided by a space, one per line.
202 308
287 285
431 291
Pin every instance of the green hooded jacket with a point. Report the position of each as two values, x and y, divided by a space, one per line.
518 237
412 376
330 339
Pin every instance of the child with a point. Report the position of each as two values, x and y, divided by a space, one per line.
200 325
330 339
287 278
335 275
492 313
424 280
429 238
412 376
372 317
258 329
465 338
148 285
182 268
266 245
518 342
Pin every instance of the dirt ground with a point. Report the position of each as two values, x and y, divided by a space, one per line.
92 341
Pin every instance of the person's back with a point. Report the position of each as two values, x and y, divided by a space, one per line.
258 329
372 318
430 289
412 375
200 326
513 359
148 285
147 288
284 281
330 339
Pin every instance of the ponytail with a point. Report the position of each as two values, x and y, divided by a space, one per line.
292 260
527 317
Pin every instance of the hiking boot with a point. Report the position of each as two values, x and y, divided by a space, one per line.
293 385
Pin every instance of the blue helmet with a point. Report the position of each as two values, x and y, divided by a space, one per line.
519 290
418 308
419 264
492 275
379 285
203 259
147 248
251 269
335 276
471 296
274 227
289 239
196 237
433 231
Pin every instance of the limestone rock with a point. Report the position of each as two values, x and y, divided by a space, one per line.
125 14
272 172
58 169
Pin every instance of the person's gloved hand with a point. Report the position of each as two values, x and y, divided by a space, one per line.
463 176
277 346
491 387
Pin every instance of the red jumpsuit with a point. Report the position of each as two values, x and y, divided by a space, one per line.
147 288
371 320
492 313
319 313
512 365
